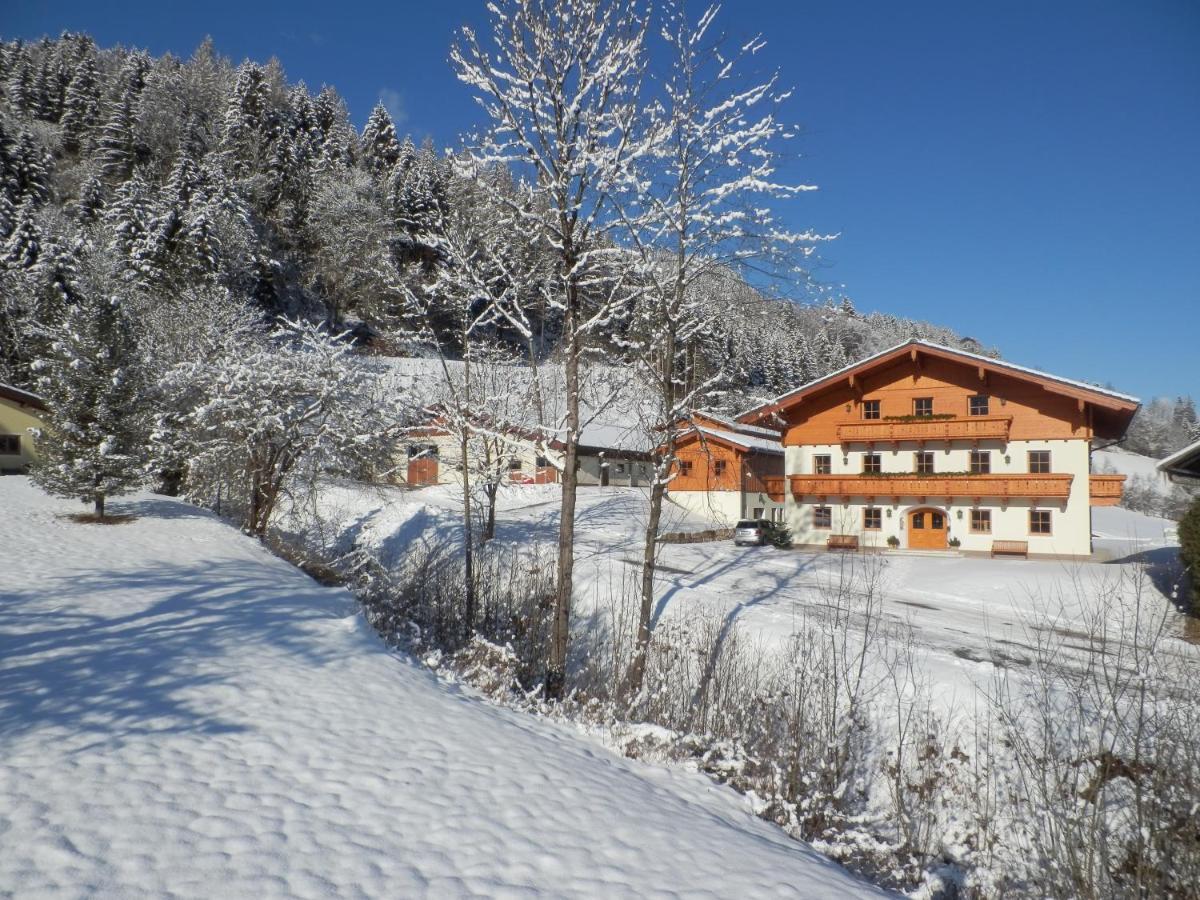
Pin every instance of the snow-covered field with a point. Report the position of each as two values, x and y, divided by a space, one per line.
968 615
182 714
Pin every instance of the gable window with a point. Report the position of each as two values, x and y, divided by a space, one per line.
422 450
923 406
10 444
685 467
924 462
870 409
822 517
981 462
872 464
872 518
718 467
981 521
1039 462
514 465
823 465
543 462
1039 521
977 405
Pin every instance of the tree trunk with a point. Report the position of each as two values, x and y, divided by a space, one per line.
556 670
489 524
99 498
468 550
637 668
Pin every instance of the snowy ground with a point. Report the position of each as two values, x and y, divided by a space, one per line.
969 615
182 714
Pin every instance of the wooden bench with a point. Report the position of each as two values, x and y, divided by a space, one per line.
842 542
1010 548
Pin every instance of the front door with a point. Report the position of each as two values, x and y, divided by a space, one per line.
927 529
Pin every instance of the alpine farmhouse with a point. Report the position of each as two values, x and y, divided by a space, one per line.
922 447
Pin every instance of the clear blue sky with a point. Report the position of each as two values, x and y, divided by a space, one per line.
1027 173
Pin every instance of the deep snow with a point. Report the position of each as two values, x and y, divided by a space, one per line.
182 714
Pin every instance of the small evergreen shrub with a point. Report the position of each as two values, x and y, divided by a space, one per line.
1189 552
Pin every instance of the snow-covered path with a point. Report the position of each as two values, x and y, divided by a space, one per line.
181 714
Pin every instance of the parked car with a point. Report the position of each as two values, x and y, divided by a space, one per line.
755 532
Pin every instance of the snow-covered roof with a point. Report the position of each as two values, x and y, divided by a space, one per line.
756 444
965 354
1185 462
8 392
614 411
734 425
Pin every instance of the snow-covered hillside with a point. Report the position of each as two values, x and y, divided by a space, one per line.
182 714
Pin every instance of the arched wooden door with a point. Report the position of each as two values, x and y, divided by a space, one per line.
927 529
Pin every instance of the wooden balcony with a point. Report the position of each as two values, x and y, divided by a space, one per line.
1032 487
972 428
1105 490
774 487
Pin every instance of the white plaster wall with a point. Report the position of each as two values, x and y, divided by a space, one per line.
721 508
1070 520
15 419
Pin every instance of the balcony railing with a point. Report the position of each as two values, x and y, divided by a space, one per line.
1024 486
973 428
1105 490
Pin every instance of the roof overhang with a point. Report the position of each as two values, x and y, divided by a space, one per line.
1182 465
1111 411
21 398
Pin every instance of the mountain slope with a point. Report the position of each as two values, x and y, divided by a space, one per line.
183 714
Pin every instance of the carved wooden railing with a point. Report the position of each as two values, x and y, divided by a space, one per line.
1105 490
972 428
1024 486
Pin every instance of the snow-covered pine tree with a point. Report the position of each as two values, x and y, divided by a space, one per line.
92 445
380 149
81 108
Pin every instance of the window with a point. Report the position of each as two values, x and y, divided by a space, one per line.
1039 462
872 464
422 450
923 406
777 514
870 409
977 405
822 517
981 462
514 465
823 465
924 462
542 462
872 518
1039 521
10 444
620 468
718 467
918 521
981 521
758 512
685 467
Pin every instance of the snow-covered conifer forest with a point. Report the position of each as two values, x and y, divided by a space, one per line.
234 304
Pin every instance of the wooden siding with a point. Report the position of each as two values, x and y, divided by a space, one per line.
704 455
1018 409
1105 490
1003 486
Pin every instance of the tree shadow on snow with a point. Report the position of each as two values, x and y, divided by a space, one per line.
136 669
1164 569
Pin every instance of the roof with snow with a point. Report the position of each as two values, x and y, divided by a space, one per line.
1122 405
744 441
24 398
1183 463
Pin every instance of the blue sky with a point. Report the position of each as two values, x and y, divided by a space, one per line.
1027 173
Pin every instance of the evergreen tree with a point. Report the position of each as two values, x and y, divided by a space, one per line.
81 106
91 445
380 149
24 243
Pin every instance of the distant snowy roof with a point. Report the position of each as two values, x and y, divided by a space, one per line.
614 411
1185 462
742 427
